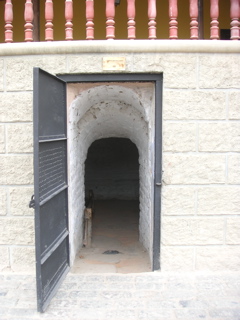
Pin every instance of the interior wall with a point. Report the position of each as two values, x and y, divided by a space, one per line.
112 169
120 110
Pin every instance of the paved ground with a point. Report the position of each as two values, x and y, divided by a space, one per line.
142 296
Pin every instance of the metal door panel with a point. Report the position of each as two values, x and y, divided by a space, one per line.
50 184
52 171
53 221
50 275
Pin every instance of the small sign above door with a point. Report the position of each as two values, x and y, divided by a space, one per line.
114 63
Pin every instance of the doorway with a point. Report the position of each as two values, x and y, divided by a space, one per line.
112 176
99 110
95 107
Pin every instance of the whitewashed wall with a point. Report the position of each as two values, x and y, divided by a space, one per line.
201 161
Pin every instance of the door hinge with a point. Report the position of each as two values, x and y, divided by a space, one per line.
32 202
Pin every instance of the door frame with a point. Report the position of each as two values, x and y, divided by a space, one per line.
157 79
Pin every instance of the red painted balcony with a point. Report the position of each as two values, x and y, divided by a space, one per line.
49 20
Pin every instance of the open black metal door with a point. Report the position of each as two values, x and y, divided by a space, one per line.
50 185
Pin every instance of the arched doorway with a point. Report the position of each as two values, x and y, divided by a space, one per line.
112 175
111 110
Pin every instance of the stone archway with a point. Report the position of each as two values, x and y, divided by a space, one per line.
104 110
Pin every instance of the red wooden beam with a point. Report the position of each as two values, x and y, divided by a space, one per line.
49 20
8 17
214 13
68 18
131 19
110 16
28 17
235 15
152 14
193 11
173 23
90 19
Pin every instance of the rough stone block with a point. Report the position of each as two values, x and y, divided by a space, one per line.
234 169
23 259
179 70
1 74
150 62
219 200
193 168
233 231
225 313
219 137
178 201
3 202
17 231
191 314
16 169
4 259
194 105
189 231
179 136
226 258
21 69
177 258
20 132
16 106
211 75
19 200
234 105
2 138
87 63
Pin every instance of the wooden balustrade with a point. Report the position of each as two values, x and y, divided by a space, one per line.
68 18
32 24
8 17
28 17
110 15
49 20
235 15
152 14
131 19
193 12
89 19
214 13
173 23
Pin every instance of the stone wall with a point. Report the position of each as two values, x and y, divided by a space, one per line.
201 162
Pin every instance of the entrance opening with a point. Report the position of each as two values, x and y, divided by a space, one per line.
115 111
118 106
112 176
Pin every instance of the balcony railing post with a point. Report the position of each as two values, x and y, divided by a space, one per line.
193 11
110 16
214 13
8 17
90 19
131 19
28 17
49 20
235 15
68 18
173 23
152 14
